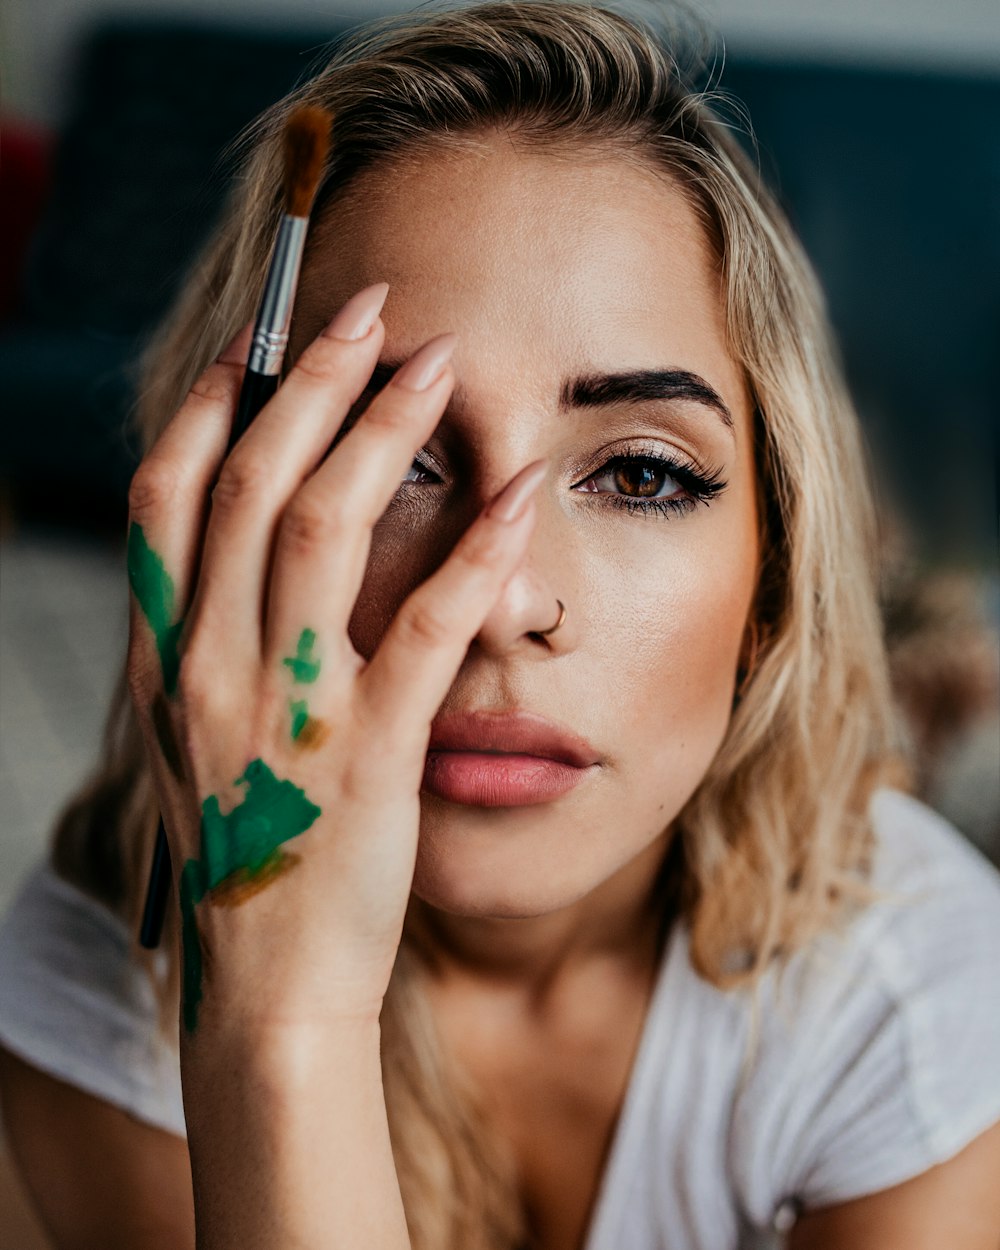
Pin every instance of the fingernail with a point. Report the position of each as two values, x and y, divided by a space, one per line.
512 501
358 315
426 365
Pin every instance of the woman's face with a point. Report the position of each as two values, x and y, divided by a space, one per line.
552 269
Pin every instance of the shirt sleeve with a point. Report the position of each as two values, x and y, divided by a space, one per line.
74 1004
894 1065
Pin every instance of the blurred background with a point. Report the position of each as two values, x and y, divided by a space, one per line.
878 125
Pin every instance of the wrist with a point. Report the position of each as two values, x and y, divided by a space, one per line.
288 1137
277 1056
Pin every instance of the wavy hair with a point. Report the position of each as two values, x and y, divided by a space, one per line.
773 846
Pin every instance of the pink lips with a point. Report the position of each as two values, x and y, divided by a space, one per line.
491 759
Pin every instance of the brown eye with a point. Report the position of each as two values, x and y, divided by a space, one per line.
421 468
641 478
639 483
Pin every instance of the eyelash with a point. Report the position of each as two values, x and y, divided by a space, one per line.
698 487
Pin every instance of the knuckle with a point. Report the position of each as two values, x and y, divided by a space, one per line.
241 476
215 386
424 625
307 525
484 549
388 412
154 487
322 360
488 548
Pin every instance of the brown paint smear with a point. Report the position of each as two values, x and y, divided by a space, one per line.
165 736
244 884
312 734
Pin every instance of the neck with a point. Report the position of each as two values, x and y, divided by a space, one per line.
623 921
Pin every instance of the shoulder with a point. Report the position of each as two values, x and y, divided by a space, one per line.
931 945
76 1005
928 936
877 1044
920 851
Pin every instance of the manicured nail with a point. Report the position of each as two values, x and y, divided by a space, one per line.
511 502
358 315
426 365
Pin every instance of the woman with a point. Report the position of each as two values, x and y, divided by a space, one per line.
712 974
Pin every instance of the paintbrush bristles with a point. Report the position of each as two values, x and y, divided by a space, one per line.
307 142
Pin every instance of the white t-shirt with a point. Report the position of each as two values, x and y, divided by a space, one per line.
877 1053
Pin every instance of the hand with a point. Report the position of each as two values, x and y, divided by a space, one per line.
287 767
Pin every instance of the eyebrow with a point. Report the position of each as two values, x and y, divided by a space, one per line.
600 390
635 386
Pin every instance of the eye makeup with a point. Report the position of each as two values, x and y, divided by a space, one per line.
697 486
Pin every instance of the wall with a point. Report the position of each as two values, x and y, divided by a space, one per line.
37 36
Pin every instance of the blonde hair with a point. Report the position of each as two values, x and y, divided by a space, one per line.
773 846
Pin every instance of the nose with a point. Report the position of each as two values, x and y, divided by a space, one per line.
533 607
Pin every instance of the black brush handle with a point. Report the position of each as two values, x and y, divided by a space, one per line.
156 892
256 390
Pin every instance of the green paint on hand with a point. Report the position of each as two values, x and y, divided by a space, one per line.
299 709
272 811
242 842
154 590
304 665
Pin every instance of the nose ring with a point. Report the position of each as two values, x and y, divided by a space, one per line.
562 617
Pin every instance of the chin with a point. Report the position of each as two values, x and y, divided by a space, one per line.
489 872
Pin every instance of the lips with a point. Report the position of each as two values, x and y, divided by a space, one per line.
511 733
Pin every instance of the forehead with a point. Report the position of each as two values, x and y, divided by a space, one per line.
572 258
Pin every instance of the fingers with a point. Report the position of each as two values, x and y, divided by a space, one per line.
166 510
283 445
418 658
325 534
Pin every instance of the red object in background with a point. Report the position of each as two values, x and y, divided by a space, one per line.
25 163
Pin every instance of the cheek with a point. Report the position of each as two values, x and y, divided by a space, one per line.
678 626
390 575
680 659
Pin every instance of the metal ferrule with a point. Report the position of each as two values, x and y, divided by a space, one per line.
270 336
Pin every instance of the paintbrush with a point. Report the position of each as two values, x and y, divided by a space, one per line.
306 144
